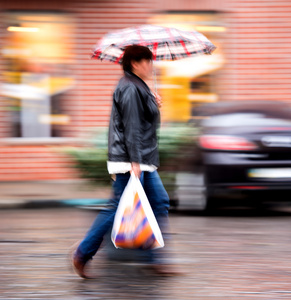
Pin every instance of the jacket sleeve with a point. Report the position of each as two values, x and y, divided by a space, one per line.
132 113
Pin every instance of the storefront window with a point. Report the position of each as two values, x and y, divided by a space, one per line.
190 82
36 56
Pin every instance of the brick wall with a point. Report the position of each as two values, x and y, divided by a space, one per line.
20 163
258 48
89 102
256 44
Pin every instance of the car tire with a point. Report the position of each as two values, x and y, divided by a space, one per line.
210 201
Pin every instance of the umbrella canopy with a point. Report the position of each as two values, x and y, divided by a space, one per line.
165 43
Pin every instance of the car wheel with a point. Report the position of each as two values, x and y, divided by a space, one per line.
210 202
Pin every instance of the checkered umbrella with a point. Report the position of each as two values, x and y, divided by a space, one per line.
165 43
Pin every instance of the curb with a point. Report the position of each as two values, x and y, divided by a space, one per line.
50 203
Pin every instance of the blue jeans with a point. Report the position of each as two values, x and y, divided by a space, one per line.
157 196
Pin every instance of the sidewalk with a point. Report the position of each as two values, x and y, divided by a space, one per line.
42 194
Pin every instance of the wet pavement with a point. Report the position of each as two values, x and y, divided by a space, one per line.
233 254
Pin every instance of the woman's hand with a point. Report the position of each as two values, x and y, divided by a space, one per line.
158 99
135 168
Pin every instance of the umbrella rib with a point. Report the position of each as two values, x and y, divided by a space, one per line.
140 36
172 56
184 47
103 53
201 43
155 47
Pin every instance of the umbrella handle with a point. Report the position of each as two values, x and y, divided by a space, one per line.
154 51
155 79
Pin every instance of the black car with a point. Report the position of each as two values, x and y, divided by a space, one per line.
246 152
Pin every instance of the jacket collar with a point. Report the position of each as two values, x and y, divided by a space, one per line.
134 77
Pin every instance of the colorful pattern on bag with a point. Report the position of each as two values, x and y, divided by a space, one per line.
135 231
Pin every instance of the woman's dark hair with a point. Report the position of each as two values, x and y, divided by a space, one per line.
135 53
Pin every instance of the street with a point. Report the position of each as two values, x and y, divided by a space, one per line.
233 254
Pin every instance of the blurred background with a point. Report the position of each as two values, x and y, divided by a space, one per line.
55 101
225 130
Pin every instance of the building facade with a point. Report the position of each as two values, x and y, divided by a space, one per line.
53 94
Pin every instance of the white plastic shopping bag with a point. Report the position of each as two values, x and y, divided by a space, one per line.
135 226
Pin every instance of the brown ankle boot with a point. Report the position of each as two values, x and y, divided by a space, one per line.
79 267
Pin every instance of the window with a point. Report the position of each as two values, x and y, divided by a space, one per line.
190 82
37 54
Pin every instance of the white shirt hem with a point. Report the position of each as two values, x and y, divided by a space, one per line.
114 167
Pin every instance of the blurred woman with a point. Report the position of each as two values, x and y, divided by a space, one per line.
132 147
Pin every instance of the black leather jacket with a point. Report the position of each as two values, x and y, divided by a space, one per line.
134 121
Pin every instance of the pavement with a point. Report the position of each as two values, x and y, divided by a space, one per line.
44 194
82 193
233 255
